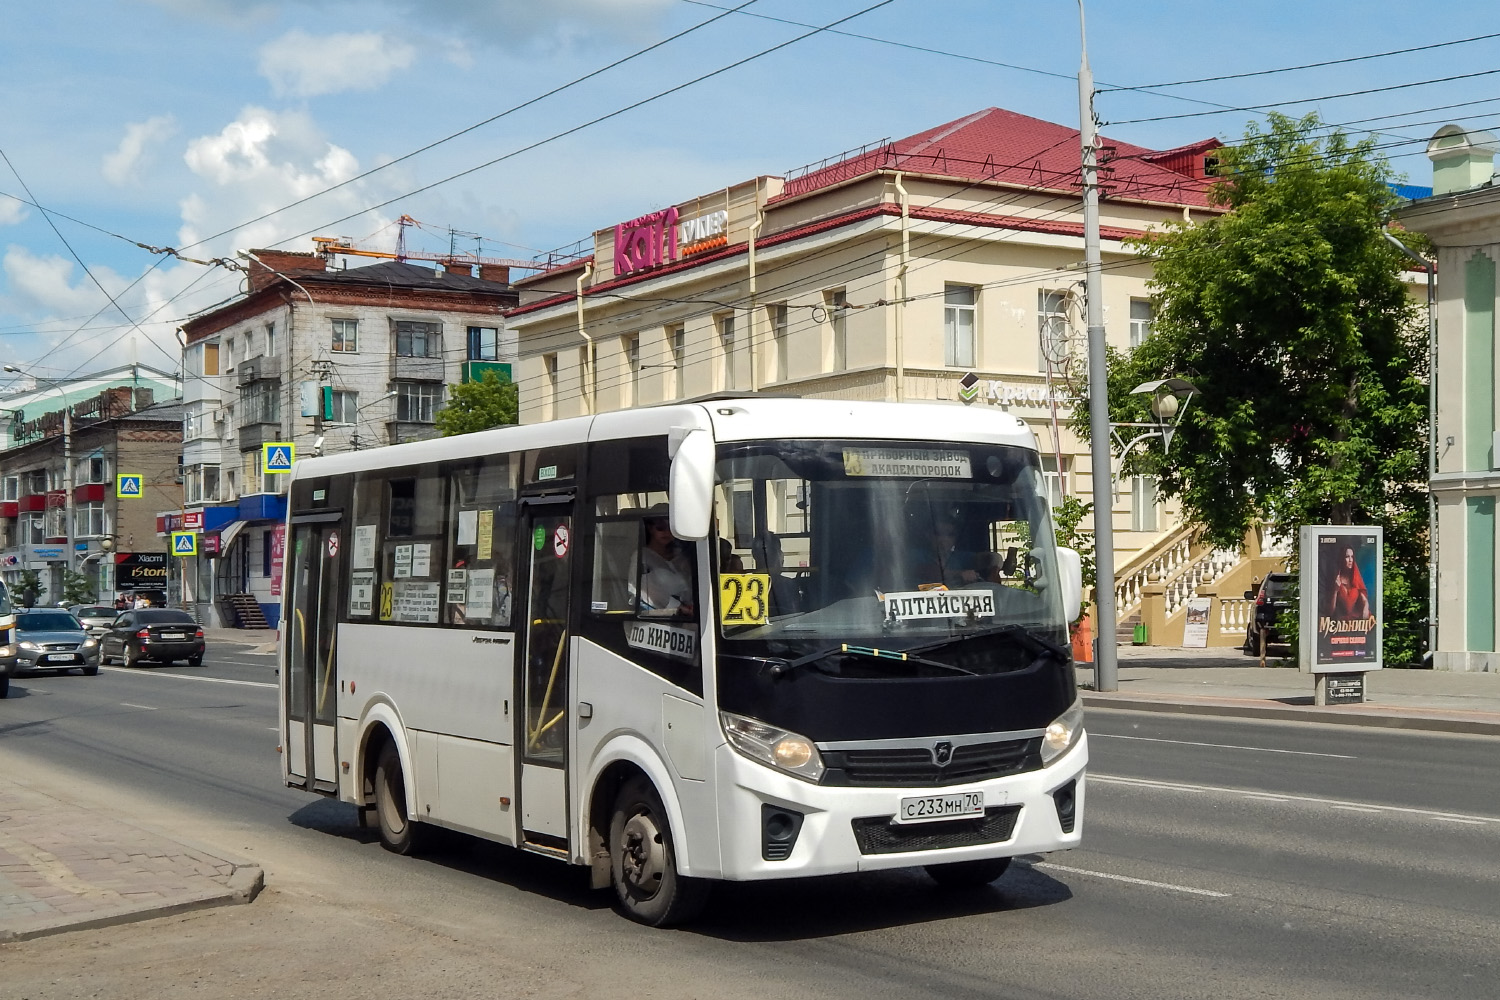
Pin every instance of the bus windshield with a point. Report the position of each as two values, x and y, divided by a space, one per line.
886 543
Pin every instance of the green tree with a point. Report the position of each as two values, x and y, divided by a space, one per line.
28 589
77 589
478 406
1066 518
1290 316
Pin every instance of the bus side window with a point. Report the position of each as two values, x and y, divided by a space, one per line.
481 540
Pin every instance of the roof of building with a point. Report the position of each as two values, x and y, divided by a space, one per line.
999 146
403 275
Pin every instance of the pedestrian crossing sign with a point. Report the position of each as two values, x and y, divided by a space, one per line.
184 543
277 456
128 486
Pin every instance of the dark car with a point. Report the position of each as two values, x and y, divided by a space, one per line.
53 640
159 634
1271 599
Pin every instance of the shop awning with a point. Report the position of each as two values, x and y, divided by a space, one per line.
228 535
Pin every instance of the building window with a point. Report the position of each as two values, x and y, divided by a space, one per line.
270 340
1056 483
210 359
91 469
260 403
90 520
35 481
484 343
418 340
1052 329
33 528
418 402
633 364
836 303
778 338
958 326
729 374
193 426
12 488
200 484
345 407
228 353
1140 321
345 336
57 523
549 371
677 342
1143 503
250 481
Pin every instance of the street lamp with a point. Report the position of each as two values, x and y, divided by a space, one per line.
1169 403
67 459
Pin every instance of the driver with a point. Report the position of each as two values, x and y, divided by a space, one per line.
666 570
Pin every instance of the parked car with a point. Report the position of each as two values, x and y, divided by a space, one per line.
159 634
1270 601
96 618
52 639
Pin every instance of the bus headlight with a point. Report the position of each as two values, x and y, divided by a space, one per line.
796 755
1062 733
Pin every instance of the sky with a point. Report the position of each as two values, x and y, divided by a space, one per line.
212 126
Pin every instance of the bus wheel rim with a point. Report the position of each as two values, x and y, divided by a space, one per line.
644 855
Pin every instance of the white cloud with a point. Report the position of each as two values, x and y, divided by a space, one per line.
301 65
47 282
137 146
12 211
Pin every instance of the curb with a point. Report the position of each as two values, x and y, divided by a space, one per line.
1486 724
245 883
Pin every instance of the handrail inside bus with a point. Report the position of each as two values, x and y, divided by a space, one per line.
536 734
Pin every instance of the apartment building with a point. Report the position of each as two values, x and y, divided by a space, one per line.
328 359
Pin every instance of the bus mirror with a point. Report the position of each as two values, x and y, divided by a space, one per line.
1070 573
693 486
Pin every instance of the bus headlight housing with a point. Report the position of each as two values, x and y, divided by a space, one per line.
1062 733
787 752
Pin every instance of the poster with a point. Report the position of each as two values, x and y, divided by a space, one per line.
457 586
361 593
278 557
486 535
481 594
421 559
403 562
468 527
1341 588
418 602
364 546
1195 628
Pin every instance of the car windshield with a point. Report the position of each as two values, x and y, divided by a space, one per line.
95 612
890 543
47 621
164 616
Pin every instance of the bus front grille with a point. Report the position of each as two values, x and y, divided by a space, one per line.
879 835
915 767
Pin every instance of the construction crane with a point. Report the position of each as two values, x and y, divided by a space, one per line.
328 246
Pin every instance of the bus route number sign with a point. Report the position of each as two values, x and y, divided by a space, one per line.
744 598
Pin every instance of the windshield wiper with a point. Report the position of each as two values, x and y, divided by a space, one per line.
783 668
1024 637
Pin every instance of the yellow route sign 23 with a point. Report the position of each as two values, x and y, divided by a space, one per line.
744 598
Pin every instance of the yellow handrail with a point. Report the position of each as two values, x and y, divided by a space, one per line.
536 734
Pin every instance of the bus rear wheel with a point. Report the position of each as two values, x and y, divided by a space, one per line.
643 864
968 874
398 833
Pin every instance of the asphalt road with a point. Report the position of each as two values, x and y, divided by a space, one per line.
1223 858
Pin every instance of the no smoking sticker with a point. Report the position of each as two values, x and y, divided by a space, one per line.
560 540
333 545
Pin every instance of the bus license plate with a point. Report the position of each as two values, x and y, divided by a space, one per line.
929 808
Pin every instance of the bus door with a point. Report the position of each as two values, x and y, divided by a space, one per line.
310 629
545 722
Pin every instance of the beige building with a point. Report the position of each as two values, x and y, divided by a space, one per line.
943 266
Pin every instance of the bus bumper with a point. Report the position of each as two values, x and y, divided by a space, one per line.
843 829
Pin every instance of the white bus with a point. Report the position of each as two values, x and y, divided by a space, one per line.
732 638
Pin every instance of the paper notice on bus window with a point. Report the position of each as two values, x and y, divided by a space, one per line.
914 463
364 546
403 562
909 605
457 585
668 640
486 534
481 593
468 527
418 602
421 559
361 593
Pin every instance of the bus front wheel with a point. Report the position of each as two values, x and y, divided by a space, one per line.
643 865
397 832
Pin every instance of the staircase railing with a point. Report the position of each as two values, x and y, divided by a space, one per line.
1161 561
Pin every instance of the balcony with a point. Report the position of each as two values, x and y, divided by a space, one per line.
257 370
402 431
255 433
418 369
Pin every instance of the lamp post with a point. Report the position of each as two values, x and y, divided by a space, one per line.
1169 402
67 460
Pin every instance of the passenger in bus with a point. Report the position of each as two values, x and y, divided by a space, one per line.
728 561
942 561
666 570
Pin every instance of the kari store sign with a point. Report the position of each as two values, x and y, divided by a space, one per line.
663 237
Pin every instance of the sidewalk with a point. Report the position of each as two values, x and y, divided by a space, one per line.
1224 681
262 640
63 867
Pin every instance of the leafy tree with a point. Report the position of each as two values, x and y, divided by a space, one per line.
478 406
28 589
1290 316
77 589
1066 518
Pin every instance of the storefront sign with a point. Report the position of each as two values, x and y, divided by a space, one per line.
706 232
48 553
646 242
278 557
1341 584
972 388
140 570
192 520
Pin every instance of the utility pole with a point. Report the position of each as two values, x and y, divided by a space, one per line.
1105 672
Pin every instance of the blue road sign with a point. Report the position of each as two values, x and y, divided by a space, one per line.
184 543
277 456
128 485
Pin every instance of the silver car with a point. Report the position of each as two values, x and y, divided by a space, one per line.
96 618
53 640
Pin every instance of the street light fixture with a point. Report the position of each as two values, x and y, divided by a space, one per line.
67 459
1169 402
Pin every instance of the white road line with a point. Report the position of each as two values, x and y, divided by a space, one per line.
1133 881
1358 809
1179 786
189 677
148 708
1220 746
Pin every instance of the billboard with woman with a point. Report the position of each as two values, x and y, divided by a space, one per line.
1341 610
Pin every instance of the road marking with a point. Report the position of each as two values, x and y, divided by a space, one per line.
1358 809
1221 746
148 708
1179 786
189 677
1133 881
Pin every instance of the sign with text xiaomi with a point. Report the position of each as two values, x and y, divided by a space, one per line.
140 570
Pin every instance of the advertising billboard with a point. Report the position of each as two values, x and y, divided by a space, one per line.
1341 583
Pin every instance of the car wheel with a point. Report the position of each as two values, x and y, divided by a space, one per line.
129 656
4 687
643 864
195 661
398 834
968 874
92 670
